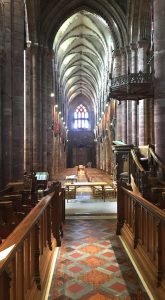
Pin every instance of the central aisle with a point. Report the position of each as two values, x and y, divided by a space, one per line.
93 265
86 204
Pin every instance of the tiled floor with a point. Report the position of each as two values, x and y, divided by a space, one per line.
86 205
92 264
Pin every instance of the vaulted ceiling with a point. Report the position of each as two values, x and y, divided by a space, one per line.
83 48
83 35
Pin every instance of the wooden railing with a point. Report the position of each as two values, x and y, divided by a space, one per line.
142 227
158 167
138 172
27 253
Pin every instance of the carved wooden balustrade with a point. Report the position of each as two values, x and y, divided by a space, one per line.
133 86
142 227
156 165
26 255
138 173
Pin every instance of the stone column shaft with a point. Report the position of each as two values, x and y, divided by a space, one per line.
45 99
12 120
124 103
143 107
28 144
117 72
2 56
17 47
134 103
129 122
119 121
50 110
159 84
35 96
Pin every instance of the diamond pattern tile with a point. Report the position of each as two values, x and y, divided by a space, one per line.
92 265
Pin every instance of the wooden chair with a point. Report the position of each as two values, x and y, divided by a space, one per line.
70 193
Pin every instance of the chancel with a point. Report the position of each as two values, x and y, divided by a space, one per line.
82 159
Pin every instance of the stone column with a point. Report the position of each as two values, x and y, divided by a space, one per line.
108 155
143 104
45 98
28 141
159 84
129 103
17 61
35 100
116 73
101 156
2 61
134 123
13 92
50 111
129 122
56 155
119 121
124 103
134 103
97 156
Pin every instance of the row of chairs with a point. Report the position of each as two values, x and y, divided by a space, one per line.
98 175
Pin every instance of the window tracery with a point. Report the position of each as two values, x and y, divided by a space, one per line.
81 117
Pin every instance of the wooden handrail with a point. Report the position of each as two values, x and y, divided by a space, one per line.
156 158
27 253
157 212
138 164
19 234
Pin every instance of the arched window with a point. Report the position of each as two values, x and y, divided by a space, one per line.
81 118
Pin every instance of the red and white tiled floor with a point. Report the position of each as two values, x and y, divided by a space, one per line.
93 265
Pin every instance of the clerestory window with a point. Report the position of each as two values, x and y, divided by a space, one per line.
81 117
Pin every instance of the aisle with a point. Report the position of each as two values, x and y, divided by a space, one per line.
92 264
85 204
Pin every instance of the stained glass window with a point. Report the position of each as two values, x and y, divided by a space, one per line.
81 117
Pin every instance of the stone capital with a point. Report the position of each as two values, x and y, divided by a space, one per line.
133 47
34 47
123 51
116 53
143 44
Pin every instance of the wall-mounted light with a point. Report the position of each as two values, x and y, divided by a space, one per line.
52 95
56 105
62 118
59 112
